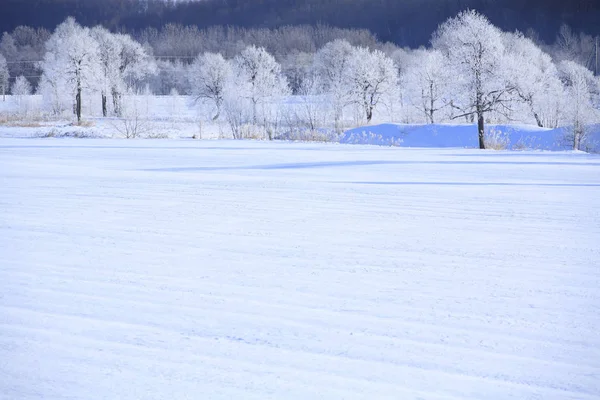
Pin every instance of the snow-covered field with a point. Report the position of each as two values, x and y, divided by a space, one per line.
254 270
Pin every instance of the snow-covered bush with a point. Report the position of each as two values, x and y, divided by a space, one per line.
496 139
310 135
21 90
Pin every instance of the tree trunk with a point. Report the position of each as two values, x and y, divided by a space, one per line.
369 114
538 120
576 137
78 103
431 103
216 117
104 112
117 102
481 130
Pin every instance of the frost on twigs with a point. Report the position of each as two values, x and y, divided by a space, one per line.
496 139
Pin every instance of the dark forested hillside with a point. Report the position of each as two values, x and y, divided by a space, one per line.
405 22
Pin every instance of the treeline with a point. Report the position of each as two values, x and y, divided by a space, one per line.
405 23
473 72
175 46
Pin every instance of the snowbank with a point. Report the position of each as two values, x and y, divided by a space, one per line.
465 136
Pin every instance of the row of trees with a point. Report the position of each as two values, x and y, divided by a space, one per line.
79 60
473 71
405 23
175 46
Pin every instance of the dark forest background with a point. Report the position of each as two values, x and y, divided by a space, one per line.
404 22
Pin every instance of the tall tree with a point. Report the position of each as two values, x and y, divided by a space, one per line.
534 78
259 77
427 81
475 54
371 76
72 59
209 75
581 86
109 50
134 64
331 66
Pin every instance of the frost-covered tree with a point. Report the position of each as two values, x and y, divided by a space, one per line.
534 78
53 86
21 87
331 66
570 46
20 90
371 76
71 62
209 76
258 78
134 65
580 88
169 75
427 81
4 75
475 55
109 50
296 67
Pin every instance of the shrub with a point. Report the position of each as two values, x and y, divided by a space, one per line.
496 139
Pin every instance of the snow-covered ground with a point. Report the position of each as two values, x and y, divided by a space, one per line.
177 117
254 270
514 136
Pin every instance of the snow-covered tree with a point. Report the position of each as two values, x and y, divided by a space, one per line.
109 50
21 87
3 76
580 87
296 67
123 62
134 65
169 75
209 76
569 46
371 76
20 90
475 55
331 66
71 62
427 81
534 78
53 86
258 78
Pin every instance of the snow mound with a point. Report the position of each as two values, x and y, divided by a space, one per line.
515 137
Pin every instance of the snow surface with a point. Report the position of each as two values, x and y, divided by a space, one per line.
517 136
253 270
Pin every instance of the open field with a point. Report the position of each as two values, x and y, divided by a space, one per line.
180 269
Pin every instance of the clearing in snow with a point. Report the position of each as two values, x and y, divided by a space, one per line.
253 270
